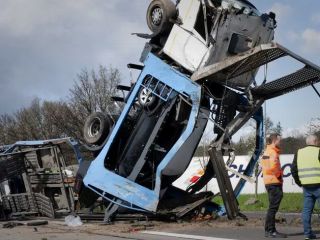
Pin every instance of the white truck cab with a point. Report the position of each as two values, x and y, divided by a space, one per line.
202 32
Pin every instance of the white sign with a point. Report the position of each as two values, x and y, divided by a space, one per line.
197 166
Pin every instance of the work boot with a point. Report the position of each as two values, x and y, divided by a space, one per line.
275 234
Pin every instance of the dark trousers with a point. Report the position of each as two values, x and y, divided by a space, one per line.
310 196
275 195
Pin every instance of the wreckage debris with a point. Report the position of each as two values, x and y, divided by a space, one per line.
35 178
199 65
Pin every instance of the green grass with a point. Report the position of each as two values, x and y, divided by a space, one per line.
291 202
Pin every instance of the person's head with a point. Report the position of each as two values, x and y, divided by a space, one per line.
274 138
312 140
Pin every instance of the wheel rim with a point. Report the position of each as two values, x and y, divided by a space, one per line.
146 97
156 16
94 128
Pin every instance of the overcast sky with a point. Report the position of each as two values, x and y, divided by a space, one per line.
45 43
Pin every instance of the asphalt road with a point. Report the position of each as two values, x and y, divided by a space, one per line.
243 233
210 230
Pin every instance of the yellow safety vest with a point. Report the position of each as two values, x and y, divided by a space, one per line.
309 165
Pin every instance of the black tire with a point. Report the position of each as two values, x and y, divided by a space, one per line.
96 128
159 14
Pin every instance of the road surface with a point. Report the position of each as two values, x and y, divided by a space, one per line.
209 230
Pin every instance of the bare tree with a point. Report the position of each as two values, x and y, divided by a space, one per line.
60 120
8 129
268 124
93 91
314 126
44 120
277 129
29 122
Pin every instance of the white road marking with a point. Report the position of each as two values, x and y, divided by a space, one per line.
185 236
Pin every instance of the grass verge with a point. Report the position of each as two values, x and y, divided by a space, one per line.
291 202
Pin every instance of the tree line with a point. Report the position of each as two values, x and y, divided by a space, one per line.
92 91
289 145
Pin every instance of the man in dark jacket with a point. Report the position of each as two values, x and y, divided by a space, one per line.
305 170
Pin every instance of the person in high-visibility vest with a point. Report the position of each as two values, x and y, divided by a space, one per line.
272 177
305 170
